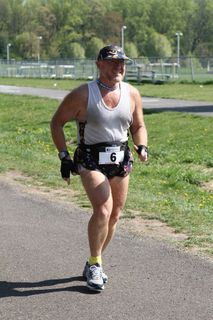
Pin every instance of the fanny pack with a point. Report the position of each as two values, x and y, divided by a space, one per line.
106 153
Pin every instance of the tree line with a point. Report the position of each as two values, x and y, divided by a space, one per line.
60 29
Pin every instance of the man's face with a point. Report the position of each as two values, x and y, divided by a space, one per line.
112 70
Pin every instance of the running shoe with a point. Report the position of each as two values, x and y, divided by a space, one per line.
104 276
93 275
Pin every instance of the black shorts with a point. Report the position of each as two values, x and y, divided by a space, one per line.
88 157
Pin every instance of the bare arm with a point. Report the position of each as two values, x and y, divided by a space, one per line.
138 127
73 107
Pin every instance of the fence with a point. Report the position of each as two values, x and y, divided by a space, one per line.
141 70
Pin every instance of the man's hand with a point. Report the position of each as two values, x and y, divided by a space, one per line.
142 151
67 166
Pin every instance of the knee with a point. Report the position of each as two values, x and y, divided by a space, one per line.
114 218
102 214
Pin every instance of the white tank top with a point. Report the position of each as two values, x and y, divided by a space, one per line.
105 124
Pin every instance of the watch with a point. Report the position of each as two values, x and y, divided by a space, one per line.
63 154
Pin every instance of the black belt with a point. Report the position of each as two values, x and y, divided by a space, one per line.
98 147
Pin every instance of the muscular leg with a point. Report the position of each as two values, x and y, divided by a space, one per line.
99 193
119 189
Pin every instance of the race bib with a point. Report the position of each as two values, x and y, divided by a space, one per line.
111 155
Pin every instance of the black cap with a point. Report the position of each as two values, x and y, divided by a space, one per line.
112 52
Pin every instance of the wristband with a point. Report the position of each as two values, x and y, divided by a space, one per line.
142 147
63 154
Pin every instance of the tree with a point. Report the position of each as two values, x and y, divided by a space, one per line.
93 47
5 14
111 28
131 50
3 43
151 26
76 51
158 45
70 25
27 45
53 50
203 28
136 17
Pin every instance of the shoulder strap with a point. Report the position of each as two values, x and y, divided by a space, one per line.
81 131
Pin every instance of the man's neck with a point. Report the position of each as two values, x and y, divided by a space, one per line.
106 87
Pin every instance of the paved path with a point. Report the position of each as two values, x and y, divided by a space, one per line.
152 104
43 246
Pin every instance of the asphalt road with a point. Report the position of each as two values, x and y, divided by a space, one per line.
43 247
151 104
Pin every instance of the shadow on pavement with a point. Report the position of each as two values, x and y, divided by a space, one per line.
25 289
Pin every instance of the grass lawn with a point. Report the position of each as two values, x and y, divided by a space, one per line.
170 188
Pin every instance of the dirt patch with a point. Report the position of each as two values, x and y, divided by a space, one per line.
208 186
152 228
18 180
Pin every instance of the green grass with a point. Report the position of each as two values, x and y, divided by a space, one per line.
41 83
169 188
187 91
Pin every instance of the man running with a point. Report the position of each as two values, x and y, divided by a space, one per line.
105 110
